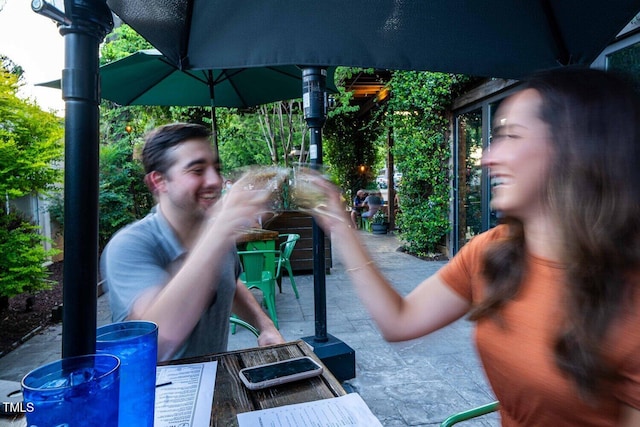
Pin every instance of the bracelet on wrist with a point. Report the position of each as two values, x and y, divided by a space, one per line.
349 270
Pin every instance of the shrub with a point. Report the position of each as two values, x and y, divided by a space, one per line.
423 230
22 264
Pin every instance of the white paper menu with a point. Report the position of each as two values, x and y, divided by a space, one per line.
347 410
184 394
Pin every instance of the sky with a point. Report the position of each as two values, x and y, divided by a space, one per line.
33 42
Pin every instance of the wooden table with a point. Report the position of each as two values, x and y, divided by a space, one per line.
232 397
256 235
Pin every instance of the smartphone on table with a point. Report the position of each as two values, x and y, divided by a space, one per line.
281 372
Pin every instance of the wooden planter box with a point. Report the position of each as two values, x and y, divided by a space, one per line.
300 223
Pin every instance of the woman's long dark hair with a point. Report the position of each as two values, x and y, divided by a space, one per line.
594 191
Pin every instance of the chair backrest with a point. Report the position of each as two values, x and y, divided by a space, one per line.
471 413
286 247
253 263
251 328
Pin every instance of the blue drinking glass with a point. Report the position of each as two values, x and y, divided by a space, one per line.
81 391
136 345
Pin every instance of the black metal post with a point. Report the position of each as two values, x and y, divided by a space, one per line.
319 266
315 112
90 21
336 355
391 184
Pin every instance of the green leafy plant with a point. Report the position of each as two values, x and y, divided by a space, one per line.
30 147
30 142
379 217
352 139
22 266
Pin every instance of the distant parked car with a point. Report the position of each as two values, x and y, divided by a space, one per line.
397 177
381 181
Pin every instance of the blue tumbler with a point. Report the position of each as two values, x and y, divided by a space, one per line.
136 345
81 391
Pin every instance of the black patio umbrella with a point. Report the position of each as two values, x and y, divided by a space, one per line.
492 38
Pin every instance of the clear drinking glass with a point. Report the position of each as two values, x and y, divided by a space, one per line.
306 195
136 344
80 391
274 179
293 188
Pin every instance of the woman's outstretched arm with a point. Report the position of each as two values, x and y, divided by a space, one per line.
430 306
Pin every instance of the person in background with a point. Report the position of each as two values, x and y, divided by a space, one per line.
358 205
372 203
396 204
555 289
227 185
178 266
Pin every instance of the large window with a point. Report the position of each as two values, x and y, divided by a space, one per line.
470 145
471 213
626 60
623 55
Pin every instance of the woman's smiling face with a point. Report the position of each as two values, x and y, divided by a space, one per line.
519 156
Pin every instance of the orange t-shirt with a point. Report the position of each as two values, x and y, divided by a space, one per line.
518 356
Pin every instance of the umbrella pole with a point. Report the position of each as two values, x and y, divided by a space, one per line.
212 98
214 128
335 354
89 25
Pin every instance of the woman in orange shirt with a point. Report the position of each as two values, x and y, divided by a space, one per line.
555 289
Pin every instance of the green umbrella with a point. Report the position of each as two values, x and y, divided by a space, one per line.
146 77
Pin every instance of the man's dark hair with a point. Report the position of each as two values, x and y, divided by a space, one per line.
158 143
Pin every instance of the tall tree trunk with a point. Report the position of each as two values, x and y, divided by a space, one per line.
267 132
278 126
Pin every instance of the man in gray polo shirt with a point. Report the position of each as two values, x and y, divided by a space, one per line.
178 266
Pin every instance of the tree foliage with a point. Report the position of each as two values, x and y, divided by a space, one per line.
351 142
30 143
30 147
352 139
122 42
240 141
11 67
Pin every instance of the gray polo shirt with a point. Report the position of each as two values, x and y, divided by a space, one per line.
147 253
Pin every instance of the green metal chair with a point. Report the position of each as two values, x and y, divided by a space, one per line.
258 275
237 321
284 260
471 413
